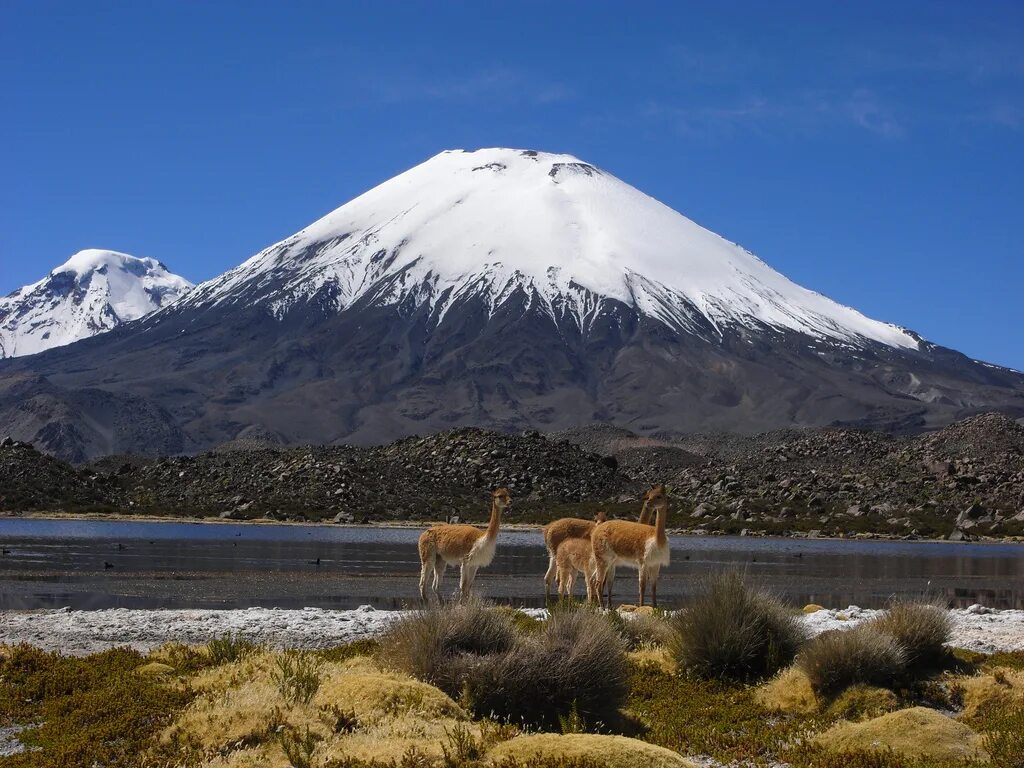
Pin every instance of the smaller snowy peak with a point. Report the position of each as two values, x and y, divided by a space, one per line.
92 292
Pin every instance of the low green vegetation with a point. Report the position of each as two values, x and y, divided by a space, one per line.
468 686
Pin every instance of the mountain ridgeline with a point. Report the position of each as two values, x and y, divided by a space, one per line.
500 288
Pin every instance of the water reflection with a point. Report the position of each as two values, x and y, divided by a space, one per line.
101 564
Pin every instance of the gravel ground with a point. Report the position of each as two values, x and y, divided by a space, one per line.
81 632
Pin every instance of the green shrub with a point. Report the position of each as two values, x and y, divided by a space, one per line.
838 659
91 710
297 676
229 648
1004 736
298 746
733 632
922 630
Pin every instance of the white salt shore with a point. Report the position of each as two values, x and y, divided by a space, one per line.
81 632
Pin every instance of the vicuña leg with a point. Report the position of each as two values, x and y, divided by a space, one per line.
549 576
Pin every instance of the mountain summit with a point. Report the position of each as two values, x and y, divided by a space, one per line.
499 288
92 292
566 235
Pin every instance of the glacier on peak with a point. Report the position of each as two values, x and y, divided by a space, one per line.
568 234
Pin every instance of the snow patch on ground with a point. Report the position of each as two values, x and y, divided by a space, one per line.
81 632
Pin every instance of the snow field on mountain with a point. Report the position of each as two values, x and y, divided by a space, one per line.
489 222
94 291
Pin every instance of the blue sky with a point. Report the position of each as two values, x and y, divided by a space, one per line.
870 151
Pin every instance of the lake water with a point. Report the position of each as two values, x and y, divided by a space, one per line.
86 564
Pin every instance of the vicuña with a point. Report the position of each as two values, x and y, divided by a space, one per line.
635 545
464 545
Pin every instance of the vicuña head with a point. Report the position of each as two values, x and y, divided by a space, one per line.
654 497
464 545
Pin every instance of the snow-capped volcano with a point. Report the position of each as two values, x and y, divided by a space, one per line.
564 233
500 288
92 292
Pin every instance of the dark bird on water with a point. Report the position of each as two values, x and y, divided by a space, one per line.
107 565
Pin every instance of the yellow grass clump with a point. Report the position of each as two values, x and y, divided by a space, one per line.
359 711
862 702
813 608
917 732
790 691
658 657
155 669
1000 687
372 694
606 751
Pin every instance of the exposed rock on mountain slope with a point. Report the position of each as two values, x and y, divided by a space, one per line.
506 289
92 292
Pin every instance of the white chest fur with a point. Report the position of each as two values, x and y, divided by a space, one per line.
656 555
483 552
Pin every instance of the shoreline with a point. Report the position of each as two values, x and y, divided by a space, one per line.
416 524
980 629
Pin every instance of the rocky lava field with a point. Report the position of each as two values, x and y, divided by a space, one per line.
963 481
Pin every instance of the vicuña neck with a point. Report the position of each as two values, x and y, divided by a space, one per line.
495 522
659 525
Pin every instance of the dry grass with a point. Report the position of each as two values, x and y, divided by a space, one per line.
999 687
605 751
644 629
734 632
863 702
838 659
244 718
922 630
576 663
914 733
430 644
789 692
659 658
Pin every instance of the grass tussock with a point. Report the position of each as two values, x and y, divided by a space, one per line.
922 630
835 660
917 733
430 644
643 630
997 688
604 751
863 702
790 691
734 632
575 661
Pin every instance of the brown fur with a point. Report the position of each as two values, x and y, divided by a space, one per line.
464 545
561 530
636 545
574 556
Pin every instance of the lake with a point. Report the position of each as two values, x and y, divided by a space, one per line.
89 564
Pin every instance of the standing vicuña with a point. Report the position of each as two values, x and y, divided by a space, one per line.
464 545
575 556
635 545
562 530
